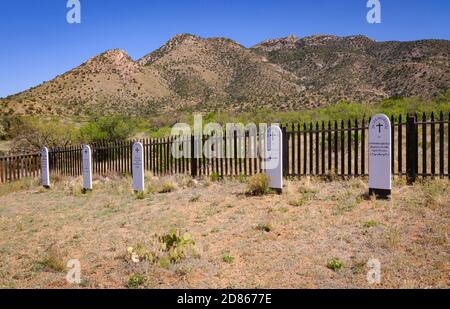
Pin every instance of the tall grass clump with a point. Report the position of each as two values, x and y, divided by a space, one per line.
258 184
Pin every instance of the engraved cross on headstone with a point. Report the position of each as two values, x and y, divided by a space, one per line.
379 127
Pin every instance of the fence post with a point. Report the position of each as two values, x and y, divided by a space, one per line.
193 157
411 149
285 146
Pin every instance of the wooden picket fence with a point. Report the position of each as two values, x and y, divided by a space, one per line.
420 148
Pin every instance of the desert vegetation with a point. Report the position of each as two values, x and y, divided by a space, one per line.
22 133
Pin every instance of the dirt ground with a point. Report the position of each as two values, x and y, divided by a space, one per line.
317 234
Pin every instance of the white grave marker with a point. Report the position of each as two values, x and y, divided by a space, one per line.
380 156
274 157
87 167
45 170
138 167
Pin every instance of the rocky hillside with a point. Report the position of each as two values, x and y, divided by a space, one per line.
358 68
192 73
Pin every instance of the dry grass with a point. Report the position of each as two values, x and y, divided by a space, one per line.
212 235
258 184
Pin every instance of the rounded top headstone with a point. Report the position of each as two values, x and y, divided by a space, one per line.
273 157
379 126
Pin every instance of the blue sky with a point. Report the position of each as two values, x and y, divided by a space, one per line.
37 43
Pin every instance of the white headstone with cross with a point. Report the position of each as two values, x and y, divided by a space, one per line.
380 156
274 157
87 167
45 168
138 167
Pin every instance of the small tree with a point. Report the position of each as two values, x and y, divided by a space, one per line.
30 134
107 129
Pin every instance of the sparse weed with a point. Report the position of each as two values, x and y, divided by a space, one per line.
346 202
150 188
215 177
140 195
135 281
265 227
296 202
213 209
167 187
140 253
370 223
227 258
74 187
307 190
54 260
434 193
307 195
194 198
186 181
393 237
359 267
399 181
242 178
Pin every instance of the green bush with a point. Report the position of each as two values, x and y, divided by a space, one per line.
108 129
135 281
227 258
335 264
176 245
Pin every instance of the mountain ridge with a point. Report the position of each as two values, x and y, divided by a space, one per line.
193 73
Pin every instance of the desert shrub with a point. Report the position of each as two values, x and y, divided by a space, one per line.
135 281
258 184
3 129
176 244
7 124
338 111
166 249
335 264
53 260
